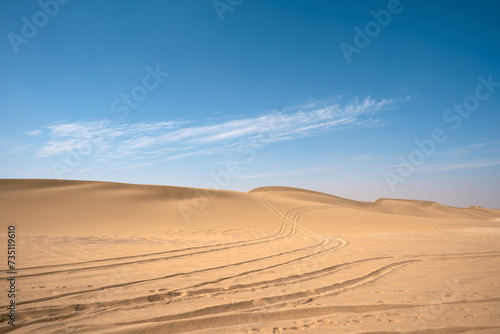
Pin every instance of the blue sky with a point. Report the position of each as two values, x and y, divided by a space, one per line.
242 94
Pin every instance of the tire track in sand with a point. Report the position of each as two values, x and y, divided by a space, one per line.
221 246
323 242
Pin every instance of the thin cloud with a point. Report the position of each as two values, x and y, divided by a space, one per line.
366 156
139 165
293 172
460 165
176 139
473 156
478 148
34 133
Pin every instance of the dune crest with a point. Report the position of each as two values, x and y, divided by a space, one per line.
408 207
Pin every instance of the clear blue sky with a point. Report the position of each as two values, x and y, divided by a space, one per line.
310 94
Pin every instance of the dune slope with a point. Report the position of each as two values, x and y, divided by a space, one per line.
99 257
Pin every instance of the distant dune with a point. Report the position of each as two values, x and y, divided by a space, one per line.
101 257
385 205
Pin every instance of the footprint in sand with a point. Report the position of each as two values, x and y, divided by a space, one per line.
81 307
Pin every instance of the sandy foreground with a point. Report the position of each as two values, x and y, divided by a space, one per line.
97 257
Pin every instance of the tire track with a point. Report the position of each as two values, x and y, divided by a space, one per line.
273 302
165 258
175 323
174 293
181 294
295 224
282 228
222 246
289 219
286 219
144 255
164 277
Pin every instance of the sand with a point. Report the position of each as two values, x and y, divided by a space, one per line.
97 257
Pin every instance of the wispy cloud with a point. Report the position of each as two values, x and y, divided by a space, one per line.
139 165
65 137
366 156
12 147
477 149
34 132
170 140
293 172
460 165
472 156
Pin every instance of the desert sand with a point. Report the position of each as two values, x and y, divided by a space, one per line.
98 257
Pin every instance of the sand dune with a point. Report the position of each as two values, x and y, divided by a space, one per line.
386 205
98 257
